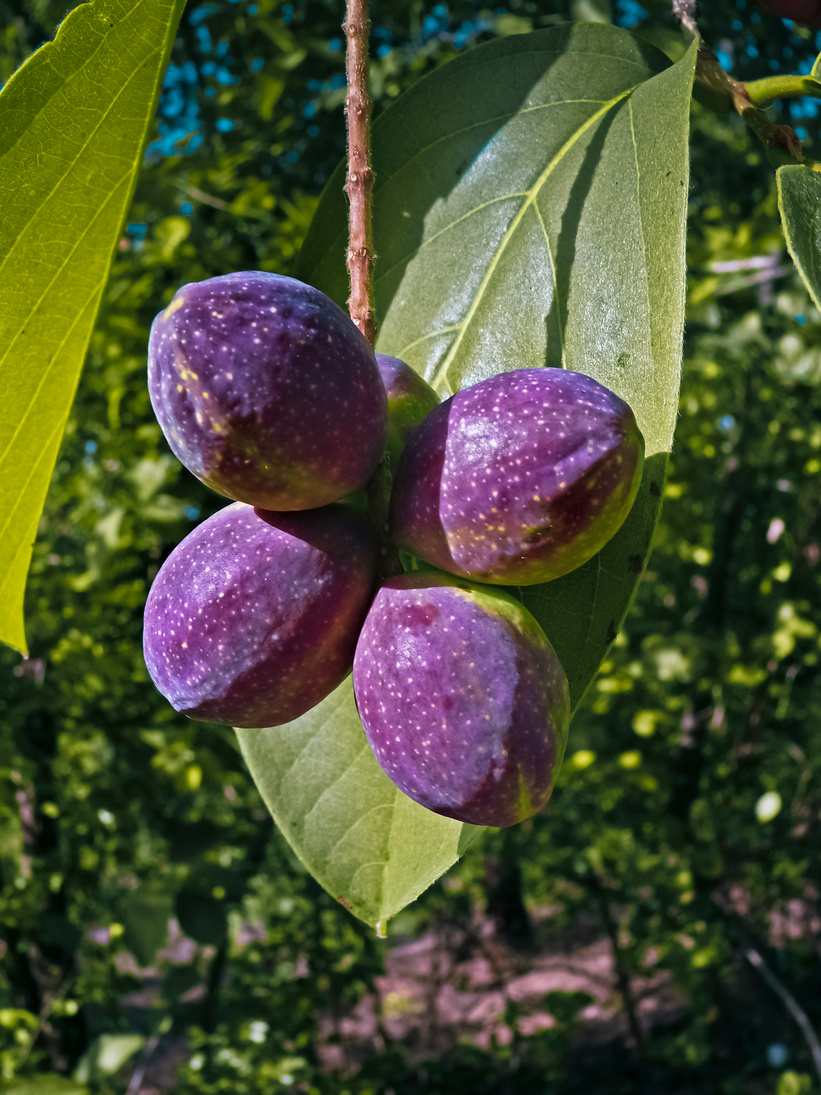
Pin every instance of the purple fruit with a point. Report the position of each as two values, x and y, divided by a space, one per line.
267 391
518 479
410 400
253 618
462 698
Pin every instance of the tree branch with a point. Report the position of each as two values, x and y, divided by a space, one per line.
359 182
685 12
789 1002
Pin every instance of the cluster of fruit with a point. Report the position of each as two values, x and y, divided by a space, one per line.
269 393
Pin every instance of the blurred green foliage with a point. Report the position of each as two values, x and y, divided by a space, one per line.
686 822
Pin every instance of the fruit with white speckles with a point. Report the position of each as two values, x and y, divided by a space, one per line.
253 618
267 391
518 479
410 400
462 698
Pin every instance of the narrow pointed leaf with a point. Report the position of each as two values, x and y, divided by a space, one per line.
73 124
370 846
529 210
799 199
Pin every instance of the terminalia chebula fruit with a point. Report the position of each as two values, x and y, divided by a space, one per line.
253 618
268 392
518 479
462 697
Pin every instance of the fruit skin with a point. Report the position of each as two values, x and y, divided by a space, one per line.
267 391
253 618
462 698
410 400
518 479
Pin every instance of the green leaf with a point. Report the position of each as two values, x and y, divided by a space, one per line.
145 920
47 1085
73 124
202 917
370 846
799 200
106 1055
529 210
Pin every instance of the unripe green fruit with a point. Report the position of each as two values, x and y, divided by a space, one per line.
410 401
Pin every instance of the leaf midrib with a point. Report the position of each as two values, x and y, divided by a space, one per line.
440 378
72 164
47 371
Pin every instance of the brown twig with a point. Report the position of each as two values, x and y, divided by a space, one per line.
359 182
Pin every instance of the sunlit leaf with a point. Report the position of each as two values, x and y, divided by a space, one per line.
369 845
73 124
106 1055
529 210
799 199
47 1085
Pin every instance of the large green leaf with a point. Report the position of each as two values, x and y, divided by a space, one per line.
529 210
799 199
73 125
369 845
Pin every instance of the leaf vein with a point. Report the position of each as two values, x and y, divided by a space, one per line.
33 310
533 193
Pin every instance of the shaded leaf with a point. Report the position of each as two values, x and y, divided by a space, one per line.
192 840
145 920
180 980
370 846
799 200
529 210
73 123
202 917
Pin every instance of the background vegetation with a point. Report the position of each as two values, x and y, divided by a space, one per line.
685 829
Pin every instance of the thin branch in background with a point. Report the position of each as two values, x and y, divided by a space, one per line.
756 262
138 1075
622 974
359 182
789 1002
685 12
206 199
763 277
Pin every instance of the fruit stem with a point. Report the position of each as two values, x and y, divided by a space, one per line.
717 90
787 86
359 181
722 93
